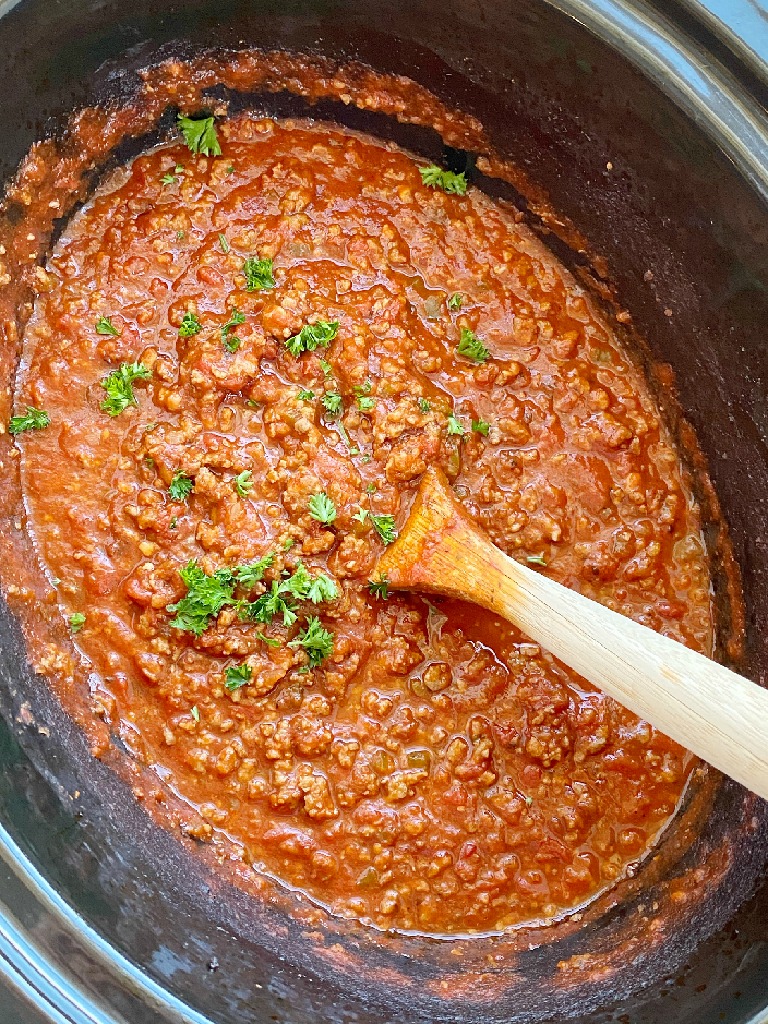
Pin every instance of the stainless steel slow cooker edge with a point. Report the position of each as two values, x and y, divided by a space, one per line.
71 948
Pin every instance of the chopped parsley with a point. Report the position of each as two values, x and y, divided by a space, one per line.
326 367
244 483
536 560
248 575
385 527
305 396
366 404
237 676
119 387
174 522
322 588
424 405
379 588
322 508
312 336
180 235
363 389
270 641
190 325
332 404
435 177
223 243
168 179
316 641
230 341
200 135
180 486
455 426
205 597
472 347
195 713
361 514
266 607
104 325
481 427
455 301
76 621
33 419
258 274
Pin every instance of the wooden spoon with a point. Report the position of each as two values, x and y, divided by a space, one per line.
719 715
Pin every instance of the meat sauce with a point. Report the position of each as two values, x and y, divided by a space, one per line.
423 765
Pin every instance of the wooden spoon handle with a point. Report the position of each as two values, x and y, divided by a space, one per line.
719 715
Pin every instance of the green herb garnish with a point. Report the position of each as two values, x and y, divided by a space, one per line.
200 135
205 597
244 483
385 527
270 641
189 326
258 274
180 486
305 396
366 404
195 713
248 575
316 641
455 301
76 621
230 341
424 405
237 676
435 177
104 325
472 347
322 508
223 243
379 588
481 427
455 426
34 419
332 401
536 560
119 387
312 336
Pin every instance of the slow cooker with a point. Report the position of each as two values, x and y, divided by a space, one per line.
643 127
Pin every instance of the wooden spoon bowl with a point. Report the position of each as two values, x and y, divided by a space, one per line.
714 712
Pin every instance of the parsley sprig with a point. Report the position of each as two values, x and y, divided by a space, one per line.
316 641
379 588
322 508
180 486
312 336
34 419
230 341
472 347
205 597
237 676
435 177
104 325
258 274
200 135
244 483
190 325
385 527
119 387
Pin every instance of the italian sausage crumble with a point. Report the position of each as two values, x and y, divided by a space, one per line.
247 347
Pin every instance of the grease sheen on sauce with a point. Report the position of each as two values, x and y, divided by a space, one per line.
439 772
